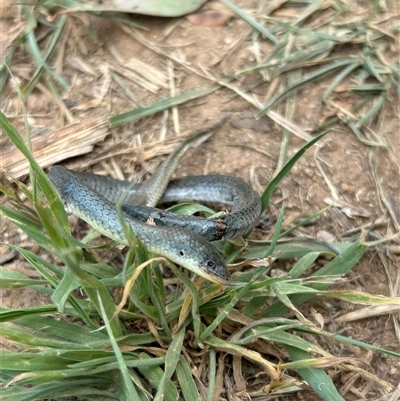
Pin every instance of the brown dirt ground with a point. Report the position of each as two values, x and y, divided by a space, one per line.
242 147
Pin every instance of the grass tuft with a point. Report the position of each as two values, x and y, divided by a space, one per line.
154 358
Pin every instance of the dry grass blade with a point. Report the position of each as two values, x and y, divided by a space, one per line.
385 198
79 64
270 368
290 109
141 154
393 396
394 287
311 9
141 39
139 72
332 188
134 77
369 312
147 71
275 116
58 145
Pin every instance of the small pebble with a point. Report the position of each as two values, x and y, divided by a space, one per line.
308 172
345 187
325 236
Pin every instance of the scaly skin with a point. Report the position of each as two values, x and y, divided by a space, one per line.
149 193
183 247
182 239
226 190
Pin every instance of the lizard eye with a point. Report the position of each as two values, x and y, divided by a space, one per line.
210 264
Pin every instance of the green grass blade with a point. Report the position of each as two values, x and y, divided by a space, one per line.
233 301
129 392
6 315
362 344
288 339
277 232
304 222
374 110
154 375
93 287
41 60
194 299
212 375
171 361
303 264
251 21
317 379
342 264
42 179
68 390
4 70
310 78
285 170
48 271
64 289
29 224
161 105
186 382
339 78
155 292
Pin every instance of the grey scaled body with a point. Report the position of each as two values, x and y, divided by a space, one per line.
182 239
182 246
230 191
